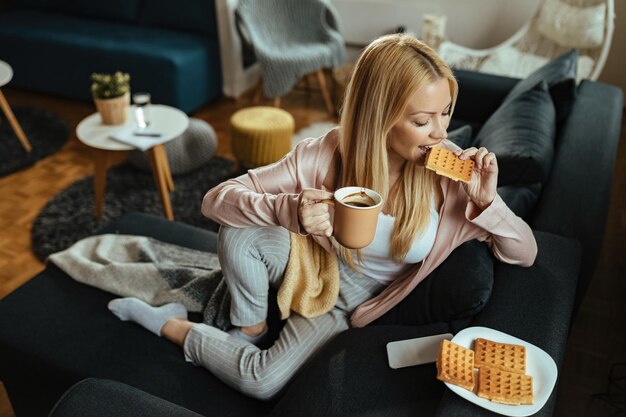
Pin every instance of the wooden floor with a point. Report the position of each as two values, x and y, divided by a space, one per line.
597 339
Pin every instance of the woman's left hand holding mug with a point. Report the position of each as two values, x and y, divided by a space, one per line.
313 213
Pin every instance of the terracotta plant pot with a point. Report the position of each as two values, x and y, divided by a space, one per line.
114 111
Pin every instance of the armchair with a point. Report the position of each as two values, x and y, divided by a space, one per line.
291 40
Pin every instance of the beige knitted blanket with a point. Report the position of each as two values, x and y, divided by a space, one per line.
310 286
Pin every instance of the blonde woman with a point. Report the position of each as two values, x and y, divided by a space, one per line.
397 106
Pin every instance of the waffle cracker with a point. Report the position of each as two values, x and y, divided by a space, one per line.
446 163
504 387
455 364
503 356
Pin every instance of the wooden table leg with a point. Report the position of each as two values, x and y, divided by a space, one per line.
160 174
14 124
101 165
166 166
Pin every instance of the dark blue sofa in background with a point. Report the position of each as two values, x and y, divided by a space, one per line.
170 49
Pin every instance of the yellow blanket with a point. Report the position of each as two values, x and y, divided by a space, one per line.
310 286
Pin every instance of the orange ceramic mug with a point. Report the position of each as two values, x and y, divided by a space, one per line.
356 216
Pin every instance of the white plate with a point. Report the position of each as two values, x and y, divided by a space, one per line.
539 365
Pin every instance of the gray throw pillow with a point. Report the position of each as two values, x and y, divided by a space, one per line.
520 198
458 288
521 134
560 76
461 136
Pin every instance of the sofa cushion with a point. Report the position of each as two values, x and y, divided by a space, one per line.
521 134
350 376
197 16
118 10
458 288
480 95
520 198
560 76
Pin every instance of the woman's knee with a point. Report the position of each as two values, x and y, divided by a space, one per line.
235 242
227 234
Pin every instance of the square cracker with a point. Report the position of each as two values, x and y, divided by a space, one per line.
445 162
504 387
503 356
455 364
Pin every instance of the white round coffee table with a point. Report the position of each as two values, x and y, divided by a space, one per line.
167 121
6 75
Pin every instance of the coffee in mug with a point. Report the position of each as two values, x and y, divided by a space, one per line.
360 199
356 216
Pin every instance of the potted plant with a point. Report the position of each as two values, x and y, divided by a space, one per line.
111 94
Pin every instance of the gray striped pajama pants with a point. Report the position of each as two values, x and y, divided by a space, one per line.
252 259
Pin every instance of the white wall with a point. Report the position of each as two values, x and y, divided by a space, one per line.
475 23
235 78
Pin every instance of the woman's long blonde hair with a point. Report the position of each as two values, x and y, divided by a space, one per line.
389 71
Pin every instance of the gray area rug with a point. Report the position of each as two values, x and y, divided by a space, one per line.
70 215
45 131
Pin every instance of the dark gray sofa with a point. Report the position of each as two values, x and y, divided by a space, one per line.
56 334
169 49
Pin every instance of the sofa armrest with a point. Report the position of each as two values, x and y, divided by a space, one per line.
575 200
533 304
144 224
93 397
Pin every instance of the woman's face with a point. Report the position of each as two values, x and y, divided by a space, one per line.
423 125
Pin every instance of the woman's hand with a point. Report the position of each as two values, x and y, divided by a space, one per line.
482 187
313 214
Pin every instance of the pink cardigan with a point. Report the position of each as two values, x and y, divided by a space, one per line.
268 196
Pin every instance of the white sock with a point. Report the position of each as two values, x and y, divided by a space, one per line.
255 340
152 318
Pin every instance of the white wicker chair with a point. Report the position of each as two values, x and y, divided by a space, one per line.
555 28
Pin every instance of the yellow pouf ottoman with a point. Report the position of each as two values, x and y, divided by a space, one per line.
261 135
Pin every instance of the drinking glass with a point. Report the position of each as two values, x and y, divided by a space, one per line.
142 109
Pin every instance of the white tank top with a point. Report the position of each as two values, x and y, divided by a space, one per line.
377 262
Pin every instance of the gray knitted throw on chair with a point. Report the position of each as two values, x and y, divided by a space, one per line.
290 38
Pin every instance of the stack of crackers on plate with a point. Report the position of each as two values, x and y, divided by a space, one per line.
501 370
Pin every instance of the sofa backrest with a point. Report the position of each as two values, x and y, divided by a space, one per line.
192 16
116 10
48 5
195 16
